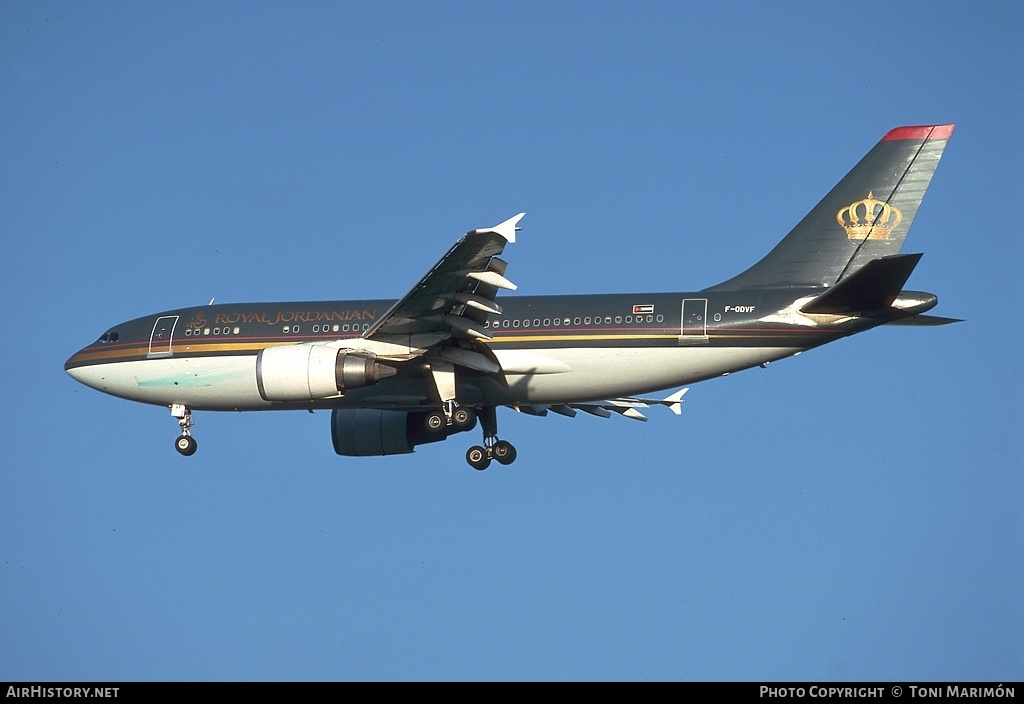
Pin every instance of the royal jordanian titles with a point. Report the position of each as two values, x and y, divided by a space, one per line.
445 356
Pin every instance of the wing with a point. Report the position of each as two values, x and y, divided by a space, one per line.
454 298
628 407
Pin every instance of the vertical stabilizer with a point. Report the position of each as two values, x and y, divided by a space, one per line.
866 216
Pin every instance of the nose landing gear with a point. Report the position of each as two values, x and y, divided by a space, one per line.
479 458
185 443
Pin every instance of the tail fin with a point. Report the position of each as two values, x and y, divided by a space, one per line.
866 216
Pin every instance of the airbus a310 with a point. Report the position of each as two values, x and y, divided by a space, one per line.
398 374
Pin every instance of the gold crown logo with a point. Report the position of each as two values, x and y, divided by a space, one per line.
869 219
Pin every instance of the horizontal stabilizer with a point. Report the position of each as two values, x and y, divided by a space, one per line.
872 287
925 320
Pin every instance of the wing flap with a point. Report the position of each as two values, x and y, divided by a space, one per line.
626 407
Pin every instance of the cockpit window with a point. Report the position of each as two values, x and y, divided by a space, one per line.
109 336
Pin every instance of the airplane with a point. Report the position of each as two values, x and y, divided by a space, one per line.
399 374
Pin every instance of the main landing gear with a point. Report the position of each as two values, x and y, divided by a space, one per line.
185 444
452 418
504 452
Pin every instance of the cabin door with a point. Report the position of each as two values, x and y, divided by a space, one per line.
160 340
694 326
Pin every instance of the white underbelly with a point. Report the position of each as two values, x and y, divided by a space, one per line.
609 372
571 374
199 382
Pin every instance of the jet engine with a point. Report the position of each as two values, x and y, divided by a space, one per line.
308 372
361 432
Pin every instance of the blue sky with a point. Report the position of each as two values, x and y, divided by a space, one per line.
851 514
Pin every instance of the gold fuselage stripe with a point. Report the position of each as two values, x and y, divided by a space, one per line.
136 351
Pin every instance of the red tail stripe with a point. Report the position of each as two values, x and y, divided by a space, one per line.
920 132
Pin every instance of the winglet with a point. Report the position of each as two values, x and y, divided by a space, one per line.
506 229
674 402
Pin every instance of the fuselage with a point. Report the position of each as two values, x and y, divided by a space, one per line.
402 373
552 349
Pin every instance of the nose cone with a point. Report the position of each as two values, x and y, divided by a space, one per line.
74 361
77 368
79 374
83 368
70 365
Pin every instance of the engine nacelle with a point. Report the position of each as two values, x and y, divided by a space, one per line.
362 432
308 372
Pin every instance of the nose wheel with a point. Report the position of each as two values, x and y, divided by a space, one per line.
502 451
185 443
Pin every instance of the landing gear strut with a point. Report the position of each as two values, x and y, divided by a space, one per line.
185 444
504 452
